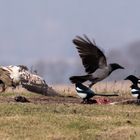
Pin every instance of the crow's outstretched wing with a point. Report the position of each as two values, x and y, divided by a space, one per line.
92 57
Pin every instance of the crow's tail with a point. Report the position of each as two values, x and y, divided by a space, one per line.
80 79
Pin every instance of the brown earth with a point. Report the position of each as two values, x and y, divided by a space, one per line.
71 100
67 95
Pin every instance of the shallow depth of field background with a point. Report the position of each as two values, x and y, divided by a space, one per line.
39 34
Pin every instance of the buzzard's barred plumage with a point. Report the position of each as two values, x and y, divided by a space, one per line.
11 76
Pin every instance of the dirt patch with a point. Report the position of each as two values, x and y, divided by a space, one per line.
55 100
71 100
44 100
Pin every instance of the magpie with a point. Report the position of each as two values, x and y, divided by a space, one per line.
133 79
94 62
86 93
135 91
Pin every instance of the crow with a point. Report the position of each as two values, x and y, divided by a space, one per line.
94 62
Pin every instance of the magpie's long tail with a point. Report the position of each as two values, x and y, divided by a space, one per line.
106 94
80 79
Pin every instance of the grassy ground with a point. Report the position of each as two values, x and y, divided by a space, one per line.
67 121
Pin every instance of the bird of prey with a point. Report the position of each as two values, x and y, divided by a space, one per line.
9 76
94 62
12 76
86 93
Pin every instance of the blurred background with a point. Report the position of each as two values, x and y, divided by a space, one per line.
39 33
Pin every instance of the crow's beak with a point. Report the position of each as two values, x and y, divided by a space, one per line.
122 67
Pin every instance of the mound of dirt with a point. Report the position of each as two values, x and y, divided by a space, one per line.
21 99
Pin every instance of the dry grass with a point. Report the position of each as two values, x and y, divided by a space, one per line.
67 121
120 87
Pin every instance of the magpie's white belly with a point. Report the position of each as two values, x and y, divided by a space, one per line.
133 92
82 95
135 95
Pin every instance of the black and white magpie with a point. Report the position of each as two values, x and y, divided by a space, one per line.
135 80
94 62
135 91
86 93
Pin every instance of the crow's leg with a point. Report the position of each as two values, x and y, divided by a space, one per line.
91 84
